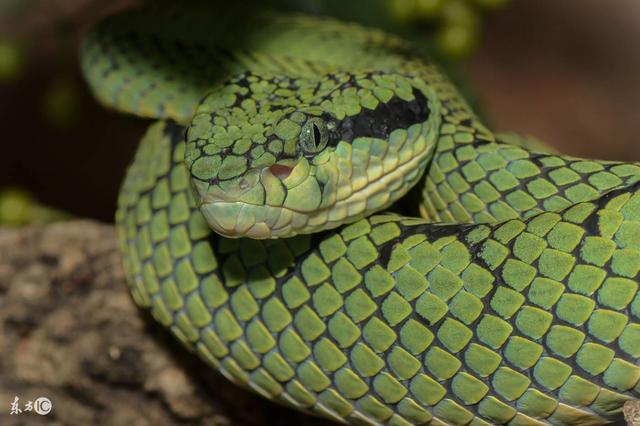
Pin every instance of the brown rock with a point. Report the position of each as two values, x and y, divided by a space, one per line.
632 413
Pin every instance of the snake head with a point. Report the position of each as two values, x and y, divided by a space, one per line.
273 156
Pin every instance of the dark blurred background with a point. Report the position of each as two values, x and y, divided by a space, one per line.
565 71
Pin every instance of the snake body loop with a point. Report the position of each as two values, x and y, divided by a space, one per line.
512 300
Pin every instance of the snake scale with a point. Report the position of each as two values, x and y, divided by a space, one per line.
508 294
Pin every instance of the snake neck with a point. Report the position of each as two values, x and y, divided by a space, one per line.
477 176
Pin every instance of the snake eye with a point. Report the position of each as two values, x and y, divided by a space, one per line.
314 136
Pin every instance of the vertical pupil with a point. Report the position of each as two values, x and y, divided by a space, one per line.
316 134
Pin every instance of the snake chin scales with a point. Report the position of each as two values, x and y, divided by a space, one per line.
269 164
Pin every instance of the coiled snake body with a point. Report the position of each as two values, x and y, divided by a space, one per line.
513 299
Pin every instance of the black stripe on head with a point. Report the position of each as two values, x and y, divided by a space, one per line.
174 132
395 114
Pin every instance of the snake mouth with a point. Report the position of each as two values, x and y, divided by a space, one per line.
239 219
271 205
275 201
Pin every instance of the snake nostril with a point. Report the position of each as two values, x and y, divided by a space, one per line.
280 171
244 184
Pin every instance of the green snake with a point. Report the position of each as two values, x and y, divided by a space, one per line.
252 226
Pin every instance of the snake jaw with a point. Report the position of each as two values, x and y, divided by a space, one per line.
268 202
240 220
235 220
312 198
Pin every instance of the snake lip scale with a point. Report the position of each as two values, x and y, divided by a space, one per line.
508 295
214 208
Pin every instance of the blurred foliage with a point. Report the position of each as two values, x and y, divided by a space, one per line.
12 60
455 24
18 208
61 104
449 28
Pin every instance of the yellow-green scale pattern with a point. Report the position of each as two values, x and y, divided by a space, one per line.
490 182
514 301
394 320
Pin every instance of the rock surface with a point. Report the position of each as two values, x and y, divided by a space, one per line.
632 413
